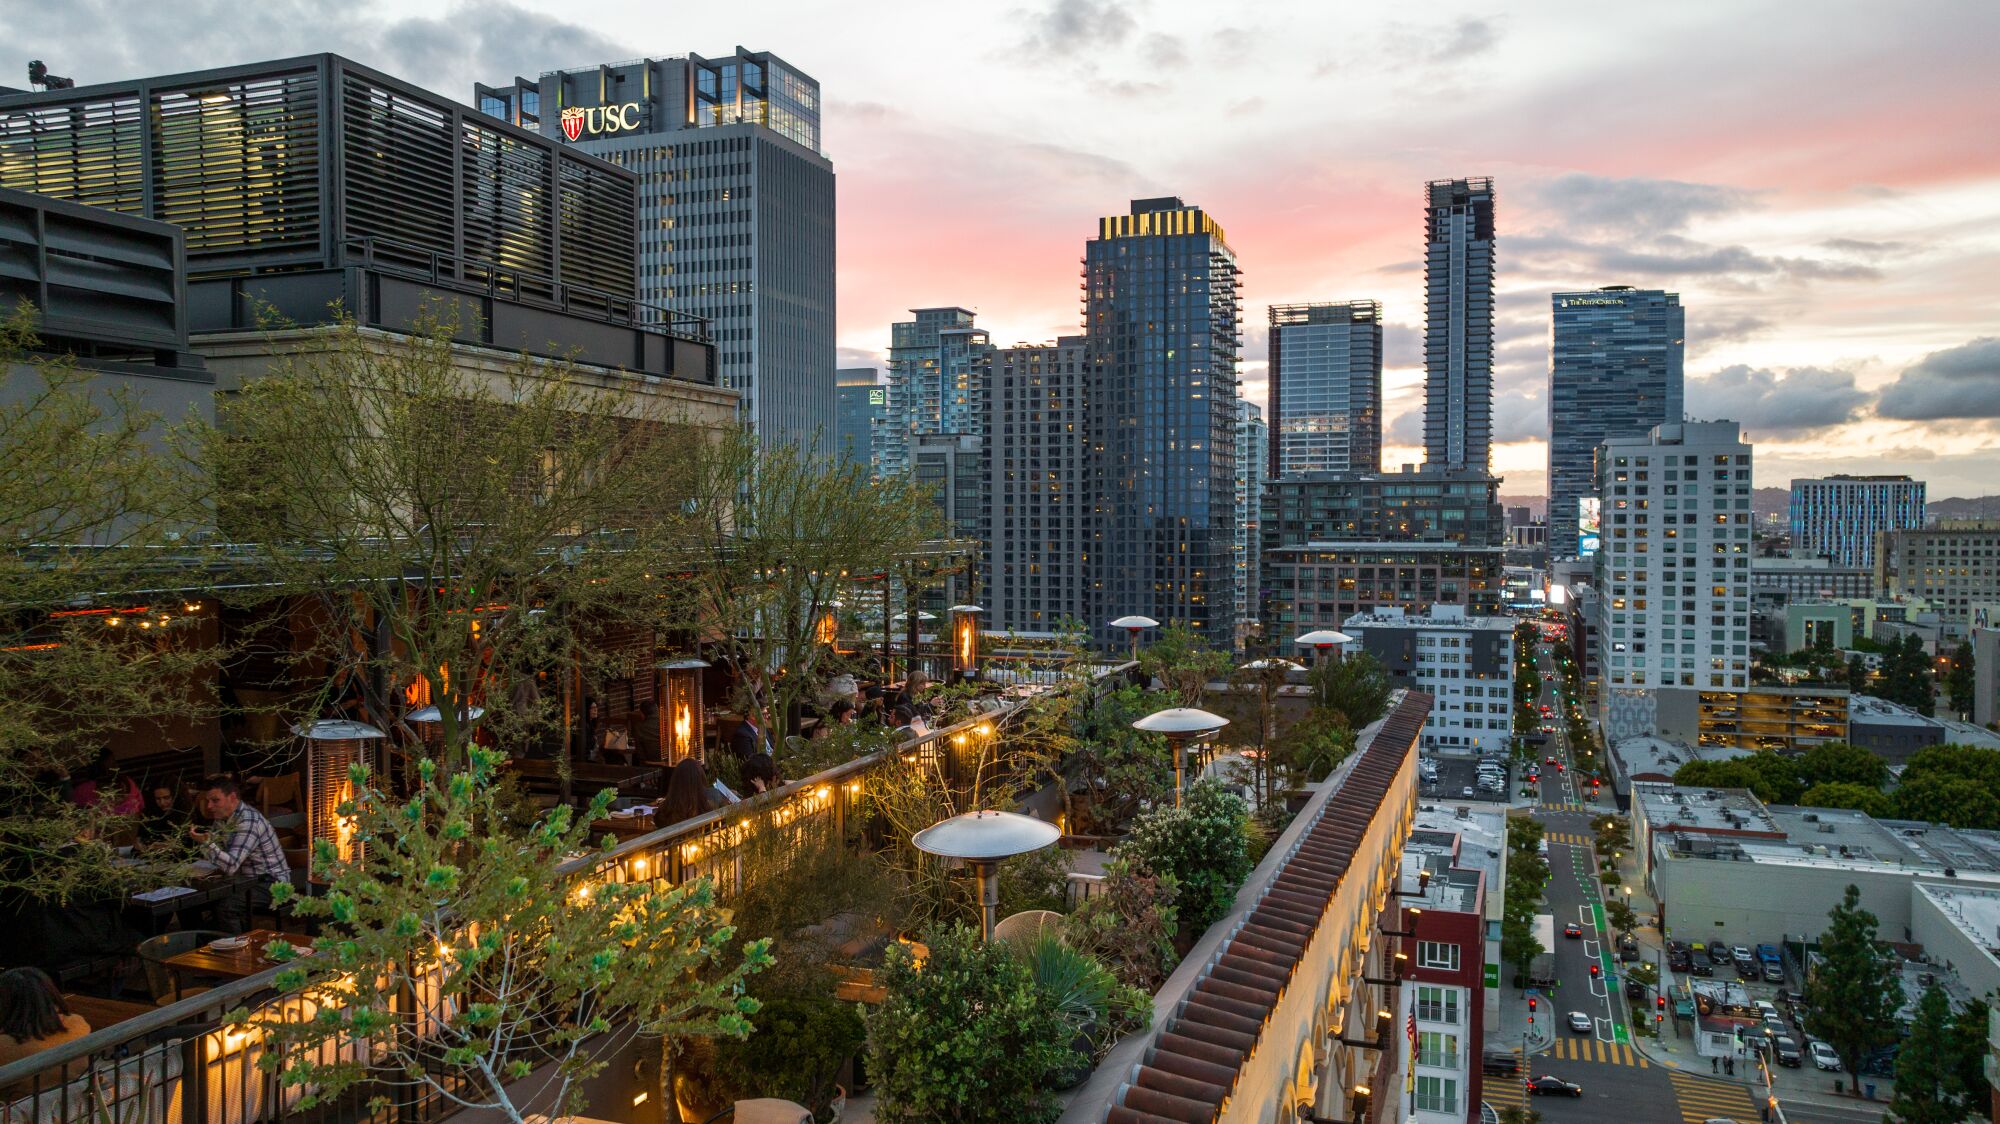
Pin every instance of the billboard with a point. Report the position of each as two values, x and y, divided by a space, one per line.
1587 534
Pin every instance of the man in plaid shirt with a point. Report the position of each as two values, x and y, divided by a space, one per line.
243 844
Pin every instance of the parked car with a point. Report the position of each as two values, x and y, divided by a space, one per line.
1823 1055
1702 970
1774 974
1742 955
1788 1053
1634 989
1549 1085
1769 954
1581 1023
1718 953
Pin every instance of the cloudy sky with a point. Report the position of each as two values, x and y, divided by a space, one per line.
1818 179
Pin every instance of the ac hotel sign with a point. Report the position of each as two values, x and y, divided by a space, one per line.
600 120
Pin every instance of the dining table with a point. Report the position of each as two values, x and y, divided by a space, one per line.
179 895
100 1012
233 963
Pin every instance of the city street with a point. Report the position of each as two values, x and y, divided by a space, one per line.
1618 1082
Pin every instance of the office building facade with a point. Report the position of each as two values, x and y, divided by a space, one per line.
1615 370
1839 517
935 360
1253 453
860 402
1162 317
1955 566
1325 383
1408 506
1318 585
736 206
1673 576
1037 495
951 469
1458 324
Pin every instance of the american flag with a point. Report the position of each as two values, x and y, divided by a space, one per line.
1411 1027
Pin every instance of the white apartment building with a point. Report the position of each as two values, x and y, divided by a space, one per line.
1465 663
1673 571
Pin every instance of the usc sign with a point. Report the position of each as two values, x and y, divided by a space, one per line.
600 120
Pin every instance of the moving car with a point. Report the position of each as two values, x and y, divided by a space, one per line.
1584 1024
1549 1085
1500 1062
1823 1055
1788 1053
1573 931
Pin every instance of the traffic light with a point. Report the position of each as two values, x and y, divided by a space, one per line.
1659 1018
1660 1001
1595 971
1531 1004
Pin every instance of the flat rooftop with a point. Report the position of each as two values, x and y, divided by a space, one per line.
1675 808
1975 911
1479 833
1431 620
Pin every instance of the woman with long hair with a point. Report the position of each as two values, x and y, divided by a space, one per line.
688 794
33 1017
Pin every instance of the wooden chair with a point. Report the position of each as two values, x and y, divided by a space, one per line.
161 980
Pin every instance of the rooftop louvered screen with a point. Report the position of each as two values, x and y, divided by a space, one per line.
306 162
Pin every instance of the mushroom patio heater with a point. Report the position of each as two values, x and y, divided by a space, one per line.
1135 625
429 721
1180 725
985 839
681 713
965 640
332 746
1273 665
1324 641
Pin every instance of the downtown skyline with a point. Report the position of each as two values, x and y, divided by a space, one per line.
1830 237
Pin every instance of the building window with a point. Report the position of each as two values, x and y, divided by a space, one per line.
1437 1004
1437 1048
1437 1094
1435 954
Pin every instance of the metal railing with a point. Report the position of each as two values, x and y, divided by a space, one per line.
180 1065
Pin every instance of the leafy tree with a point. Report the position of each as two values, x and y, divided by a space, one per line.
967 1039
1524 835
1856 679
1355 687
1182 659
1952 760
1520 1114
1968 1047
1959 681
461 530
1309 748
1853 991
1840 794
1622 916
1927 1089
1957 801
466 952
92 491
1906 675
1772 778
1129 924
1518 945
1841 763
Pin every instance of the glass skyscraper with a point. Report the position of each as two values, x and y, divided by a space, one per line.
1614 371
735 210
1162 316
1253 453
859 401
1458 324
1326 387
1839 516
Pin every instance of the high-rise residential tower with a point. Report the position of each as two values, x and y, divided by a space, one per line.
860 398
1326 387
1458 324
1614 371
1037 495
1162 316
1839 516
934 365
1253 452
1673 575
735 209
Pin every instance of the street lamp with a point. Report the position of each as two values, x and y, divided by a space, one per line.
1180 725
985 839
1323 640
1135 624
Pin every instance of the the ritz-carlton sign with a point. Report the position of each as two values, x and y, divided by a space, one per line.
600 120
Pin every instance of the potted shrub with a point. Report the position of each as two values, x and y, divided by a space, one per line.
1098 1009
969 1039
1202 845
795 1052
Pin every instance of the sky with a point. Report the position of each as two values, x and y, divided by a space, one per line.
1818 179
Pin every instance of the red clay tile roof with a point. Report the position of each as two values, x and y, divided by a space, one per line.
1201 1047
